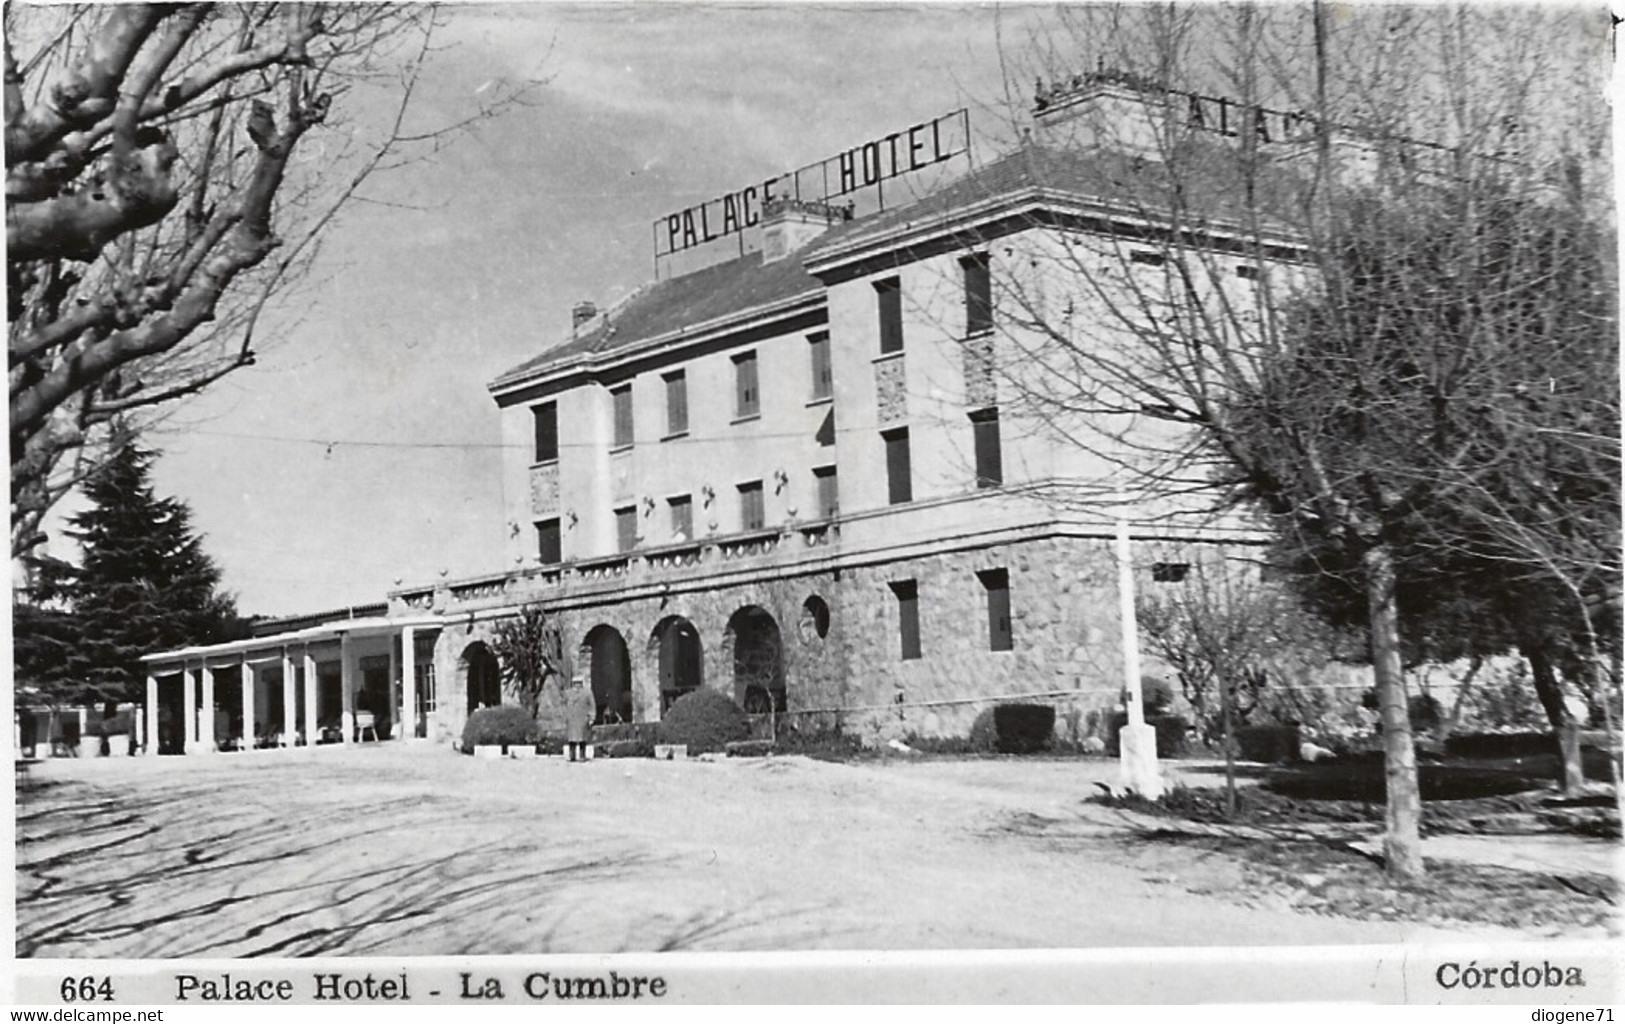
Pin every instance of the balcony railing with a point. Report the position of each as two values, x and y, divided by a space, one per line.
631 565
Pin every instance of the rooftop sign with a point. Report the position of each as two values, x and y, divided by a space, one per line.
857 169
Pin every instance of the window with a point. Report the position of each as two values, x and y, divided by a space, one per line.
621 400
1247 271
676 403
829 495
1169 572
989 457
978 294
681 509
747 397
818 349
889 297
547 431
908 617
626 528
1150 259
548 543
752 513
997 584
899 479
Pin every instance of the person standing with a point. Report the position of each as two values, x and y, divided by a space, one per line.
578 712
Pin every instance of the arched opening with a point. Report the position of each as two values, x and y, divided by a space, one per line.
676 647
814 624
484 676
758 655
609 670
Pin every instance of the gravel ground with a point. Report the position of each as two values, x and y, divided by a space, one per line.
395 850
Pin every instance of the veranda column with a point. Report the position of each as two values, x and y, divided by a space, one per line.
347 687
311 735
248 704
207 740
189 741
290 701
149 741
409 684
394 691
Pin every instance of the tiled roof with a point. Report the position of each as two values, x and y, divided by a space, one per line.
1209 187
666 307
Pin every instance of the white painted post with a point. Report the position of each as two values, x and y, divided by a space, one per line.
149 723
247 671
207 740
290 701
311 733
347 687
1137 742
409 684
189 710
394 690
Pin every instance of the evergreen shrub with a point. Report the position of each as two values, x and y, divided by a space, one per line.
1268 744
1023 728
506 726
705 720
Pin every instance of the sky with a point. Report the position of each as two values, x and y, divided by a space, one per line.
360 453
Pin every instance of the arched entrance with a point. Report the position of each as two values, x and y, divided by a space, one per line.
484 676
609 670
675 646
758 657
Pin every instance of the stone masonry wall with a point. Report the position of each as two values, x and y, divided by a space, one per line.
1063 614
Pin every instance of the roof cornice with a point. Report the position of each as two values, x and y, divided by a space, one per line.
591 363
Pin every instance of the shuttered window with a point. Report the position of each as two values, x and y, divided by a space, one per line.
978 294
547 431
626 528
676 403
829 496
908 618
621 399
752 513
747 395
899 472
889 298
989 454
997 584
682 517
818 350
549 546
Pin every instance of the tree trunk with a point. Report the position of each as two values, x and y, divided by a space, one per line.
1550 692
1402 843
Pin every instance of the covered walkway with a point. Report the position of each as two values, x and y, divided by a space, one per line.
340 681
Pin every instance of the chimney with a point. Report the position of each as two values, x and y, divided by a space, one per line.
789 224
582 313
1117 110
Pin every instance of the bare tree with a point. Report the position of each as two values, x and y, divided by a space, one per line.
1320 252
170 170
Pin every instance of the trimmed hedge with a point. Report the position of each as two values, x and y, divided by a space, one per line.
1171 730
622 732
1502 744
705 720
1269 744
1023 728
506 726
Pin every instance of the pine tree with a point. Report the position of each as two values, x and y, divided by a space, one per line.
144 583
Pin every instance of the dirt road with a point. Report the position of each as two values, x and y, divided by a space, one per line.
404 851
